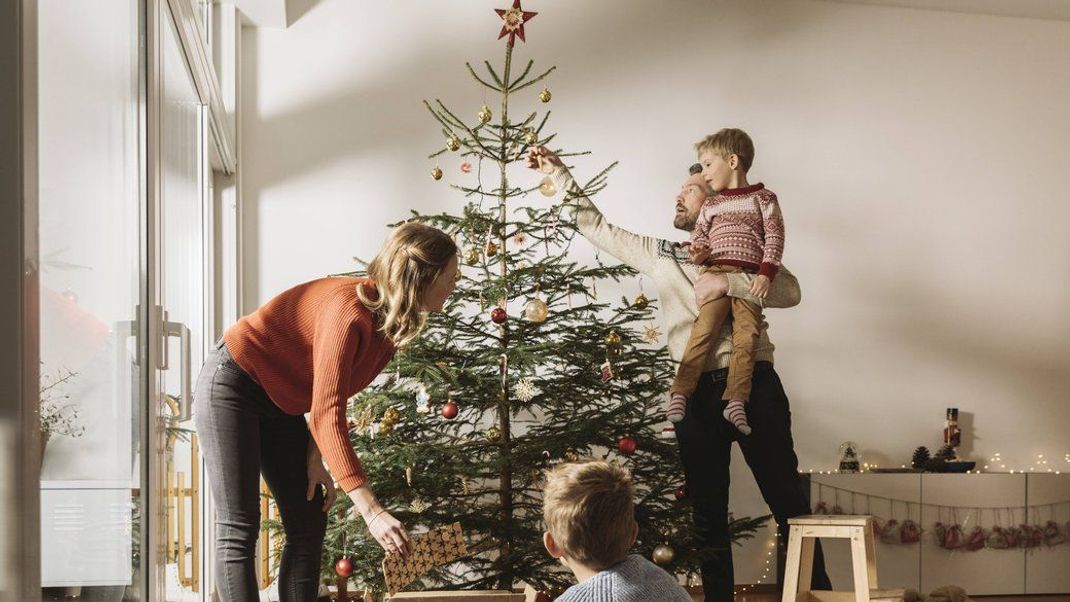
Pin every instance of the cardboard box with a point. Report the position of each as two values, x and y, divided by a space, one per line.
459 596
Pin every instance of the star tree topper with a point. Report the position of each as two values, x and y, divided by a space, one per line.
514 18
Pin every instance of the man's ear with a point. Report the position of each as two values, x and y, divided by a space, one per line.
551 545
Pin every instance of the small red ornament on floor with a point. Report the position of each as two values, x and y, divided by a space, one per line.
449 410
627 445
498 315
344 567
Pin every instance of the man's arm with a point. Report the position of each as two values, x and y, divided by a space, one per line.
638 252
783 292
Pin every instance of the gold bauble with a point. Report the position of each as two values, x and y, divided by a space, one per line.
613 339
471 256
491 249
663 554
547 187
545 95
640 301
530 137
453 143
484 114
536 311
493 434
436 173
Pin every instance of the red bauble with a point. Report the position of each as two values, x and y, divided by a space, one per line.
343 567
681 492
498 315
449 411
627 445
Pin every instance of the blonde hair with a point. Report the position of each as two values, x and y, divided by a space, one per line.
412 258
728 142
588 509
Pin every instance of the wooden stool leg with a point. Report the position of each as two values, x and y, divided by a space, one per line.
871 557
791 564
859 563
806 563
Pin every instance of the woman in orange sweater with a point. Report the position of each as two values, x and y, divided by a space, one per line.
308 350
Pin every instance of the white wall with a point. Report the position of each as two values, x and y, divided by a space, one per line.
920 158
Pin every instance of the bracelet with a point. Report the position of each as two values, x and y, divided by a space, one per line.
377 515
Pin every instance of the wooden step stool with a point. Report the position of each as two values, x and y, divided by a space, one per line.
799 566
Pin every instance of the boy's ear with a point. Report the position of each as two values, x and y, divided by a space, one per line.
635 533
733 162
551 545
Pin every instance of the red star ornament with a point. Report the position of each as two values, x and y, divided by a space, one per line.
514 18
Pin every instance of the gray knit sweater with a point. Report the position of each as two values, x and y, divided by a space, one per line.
636 579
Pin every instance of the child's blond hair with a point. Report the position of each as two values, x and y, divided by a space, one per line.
589 510
728 142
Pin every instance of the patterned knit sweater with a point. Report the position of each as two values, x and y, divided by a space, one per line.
636 579
312 348
742 227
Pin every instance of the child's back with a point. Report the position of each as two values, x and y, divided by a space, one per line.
636 579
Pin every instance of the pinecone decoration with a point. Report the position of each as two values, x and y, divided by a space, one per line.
946 453
920 457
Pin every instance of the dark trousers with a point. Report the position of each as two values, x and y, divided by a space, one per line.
705 439
243 435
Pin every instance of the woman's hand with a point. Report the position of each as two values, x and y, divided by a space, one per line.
543 159
386 529
318 475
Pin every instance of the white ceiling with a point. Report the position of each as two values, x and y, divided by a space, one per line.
1034 9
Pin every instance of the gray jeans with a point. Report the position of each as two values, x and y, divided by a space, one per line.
243 435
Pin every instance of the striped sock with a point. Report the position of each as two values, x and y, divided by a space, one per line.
676 408
735 413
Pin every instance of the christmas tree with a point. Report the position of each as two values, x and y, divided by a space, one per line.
525 367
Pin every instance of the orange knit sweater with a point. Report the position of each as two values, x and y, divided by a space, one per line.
312 348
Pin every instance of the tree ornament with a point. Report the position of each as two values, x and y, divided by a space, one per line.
493 434
525 390
498 315
472 256
436 172
614 344
450 410
640 301
453 143
536 311
651 334
545 95
408 476
390 420
920 457
607 371
681 492
627 445
344 567
530 137
418 506
547 186
491 249
484 115
571 455
514 18
466 167
663 554
423 400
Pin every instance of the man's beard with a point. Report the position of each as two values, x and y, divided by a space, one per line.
683 222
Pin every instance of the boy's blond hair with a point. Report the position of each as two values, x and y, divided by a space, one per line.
728 142
588 508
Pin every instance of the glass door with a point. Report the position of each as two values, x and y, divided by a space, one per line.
182 244
91 226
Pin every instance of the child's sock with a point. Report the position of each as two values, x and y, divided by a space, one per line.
676 408
735 413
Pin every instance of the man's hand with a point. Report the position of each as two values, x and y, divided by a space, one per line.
710 286
543 159
318 475
759 287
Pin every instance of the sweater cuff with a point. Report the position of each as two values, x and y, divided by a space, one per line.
563 180
768 270
351 482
